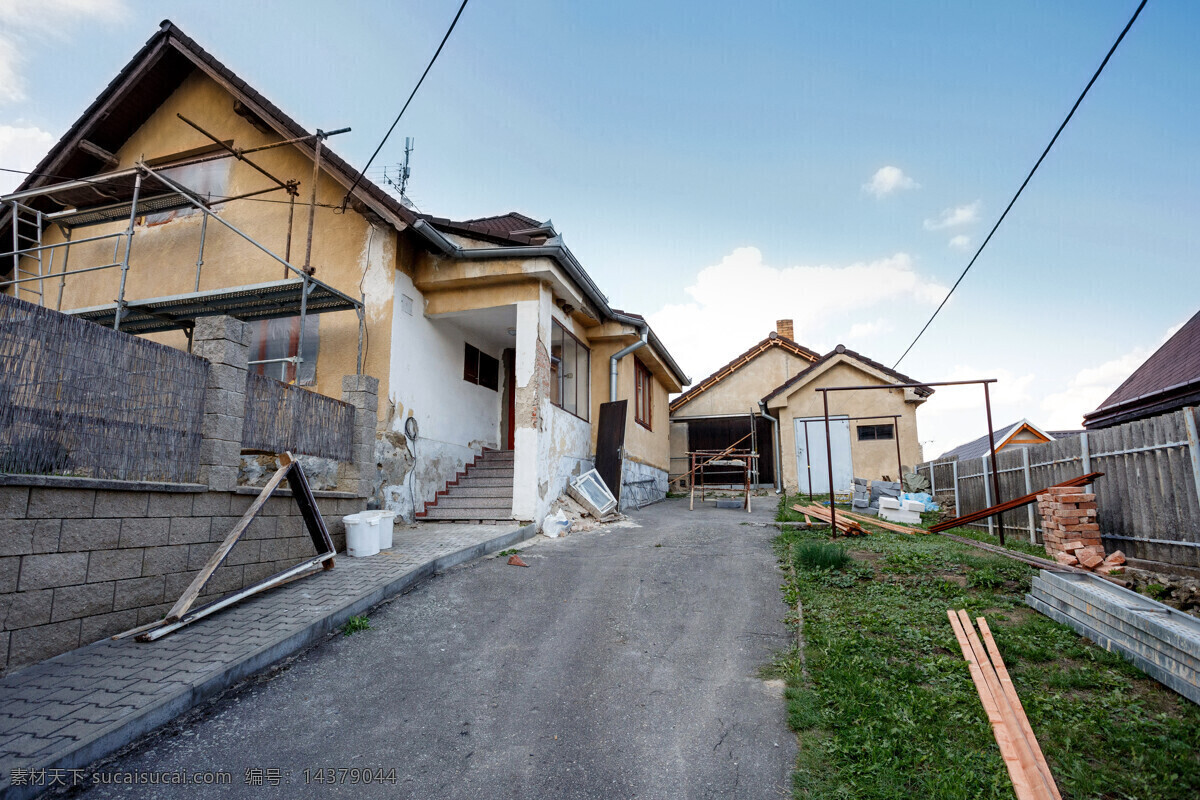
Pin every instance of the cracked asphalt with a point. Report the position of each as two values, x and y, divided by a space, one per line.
623 663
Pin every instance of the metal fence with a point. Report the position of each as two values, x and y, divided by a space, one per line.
280 416
1148 502
82 400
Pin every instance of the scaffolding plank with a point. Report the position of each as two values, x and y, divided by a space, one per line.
257 301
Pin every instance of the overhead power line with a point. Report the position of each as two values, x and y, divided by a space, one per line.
1025 182
382 142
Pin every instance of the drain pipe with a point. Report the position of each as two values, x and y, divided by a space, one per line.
644 334
762 405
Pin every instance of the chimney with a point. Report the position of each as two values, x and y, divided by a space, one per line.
784 328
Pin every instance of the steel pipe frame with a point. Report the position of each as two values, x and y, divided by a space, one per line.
991 433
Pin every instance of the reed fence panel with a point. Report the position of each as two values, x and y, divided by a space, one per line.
281 416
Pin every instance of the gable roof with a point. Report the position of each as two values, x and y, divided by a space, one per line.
142 85
1167 380
981 446
506 229
840 350
773 340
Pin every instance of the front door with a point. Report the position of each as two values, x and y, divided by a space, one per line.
812 466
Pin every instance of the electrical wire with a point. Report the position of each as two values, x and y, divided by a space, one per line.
1025 182
438 52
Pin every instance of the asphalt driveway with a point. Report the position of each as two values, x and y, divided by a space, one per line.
623 662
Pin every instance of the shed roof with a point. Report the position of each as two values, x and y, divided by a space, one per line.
773 340
981 446
1167 380
841 349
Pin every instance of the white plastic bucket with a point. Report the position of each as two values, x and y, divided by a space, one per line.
362 534
387 526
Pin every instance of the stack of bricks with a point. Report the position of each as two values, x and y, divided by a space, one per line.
1071 532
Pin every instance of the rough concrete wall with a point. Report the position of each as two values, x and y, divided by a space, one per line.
641 484
347 251
871 459
564 451
77 565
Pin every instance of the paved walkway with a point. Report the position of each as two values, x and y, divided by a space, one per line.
70 710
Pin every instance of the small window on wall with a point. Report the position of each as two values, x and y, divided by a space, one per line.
274 340
871 433
642 405
480 368
208 180
570 367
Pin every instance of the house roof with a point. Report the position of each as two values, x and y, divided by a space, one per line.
1166 380
154 72
505 229
981 446
773 340
841 349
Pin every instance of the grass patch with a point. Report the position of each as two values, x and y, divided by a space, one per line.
356 624
888 708
820 555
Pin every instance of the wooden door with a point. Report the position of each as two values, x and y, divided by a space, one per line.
610 441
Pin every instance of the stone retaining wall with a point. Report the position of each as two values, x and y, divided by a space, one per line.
77 565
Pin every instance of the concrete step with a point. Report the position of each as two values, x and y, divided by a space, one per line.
490 472
504 490
498 456
474 481
453 501
465 515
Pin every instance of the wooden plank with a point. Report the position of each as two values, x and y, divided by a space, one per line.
1014 701
885 524
987 513
302 492
197 585
1025 757
1008 749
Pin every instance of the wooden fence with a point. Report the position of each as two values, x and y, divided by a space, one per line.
280 416
1148 500
82 400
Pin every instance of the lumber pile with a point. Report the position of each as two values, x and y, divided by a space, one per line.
1027 767
844 525
1071 532
887 526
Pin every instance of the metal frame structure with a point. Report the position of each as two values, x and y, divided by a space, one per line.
987 402
144 189
747 460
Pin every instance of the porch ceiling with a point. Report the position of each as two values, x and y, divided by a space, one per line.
486 326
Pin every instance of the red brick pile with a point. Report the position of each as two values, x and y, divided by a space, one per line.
1072 535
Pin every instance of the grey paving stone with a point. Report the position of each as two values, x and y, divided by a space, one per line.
108 565
144 532
10 570
121 504
14 501
164 560
16 536
60 503
89 534
46 535
72 602
170 504
189 530
52 569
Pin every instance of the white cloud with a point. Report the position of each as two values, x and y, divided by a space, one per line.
23 148
956 414
736 302
888 180
955 217
27 22
960 242
864 330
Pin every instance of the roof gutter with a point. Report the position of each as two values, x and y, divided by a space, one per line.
556 250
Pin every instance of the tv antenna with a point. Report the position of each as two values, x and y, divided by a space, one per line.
397 177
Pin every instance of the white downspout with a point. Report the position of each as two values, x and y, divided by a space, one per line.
775 424
644 333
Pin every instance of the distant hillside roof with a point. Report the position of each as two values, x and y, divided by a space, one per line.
1167 380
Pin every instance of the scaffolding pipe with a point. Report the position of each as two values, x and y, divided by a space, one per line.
119 311
62 281
312 208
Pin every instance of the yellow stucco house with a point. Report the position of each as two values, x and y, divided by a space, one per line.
183 193
771 389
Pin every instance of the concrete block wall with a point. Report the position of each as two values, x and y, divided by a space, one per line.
77 565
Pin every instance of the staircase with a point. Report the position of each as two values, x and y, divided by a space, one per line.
483 492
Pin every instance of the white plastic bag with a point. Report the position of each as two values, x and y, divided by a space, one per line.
555 525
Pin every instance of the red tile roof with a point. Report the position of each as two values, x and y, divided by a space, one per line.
841 349
774 340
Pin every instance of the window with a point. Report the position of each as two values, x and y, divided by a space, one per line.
273 340
642 403
871 433
480 368
206 180
570 366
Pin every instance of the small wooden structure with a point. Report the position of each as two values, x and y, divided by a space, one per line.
745 461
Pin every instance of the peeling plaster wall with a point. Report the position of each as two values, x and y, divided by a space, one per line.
564 451
457 419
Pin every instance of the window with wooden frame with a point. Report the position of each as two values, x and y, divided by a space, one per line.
643 404
480 368
871 433
570 369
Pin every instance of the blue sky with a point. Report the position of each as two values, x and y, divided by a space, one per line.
711 164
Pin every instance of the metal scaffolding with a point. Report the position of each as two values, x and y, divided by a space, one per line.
125 195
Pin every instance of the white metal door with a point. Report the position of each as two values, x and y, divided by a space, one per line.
811 459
